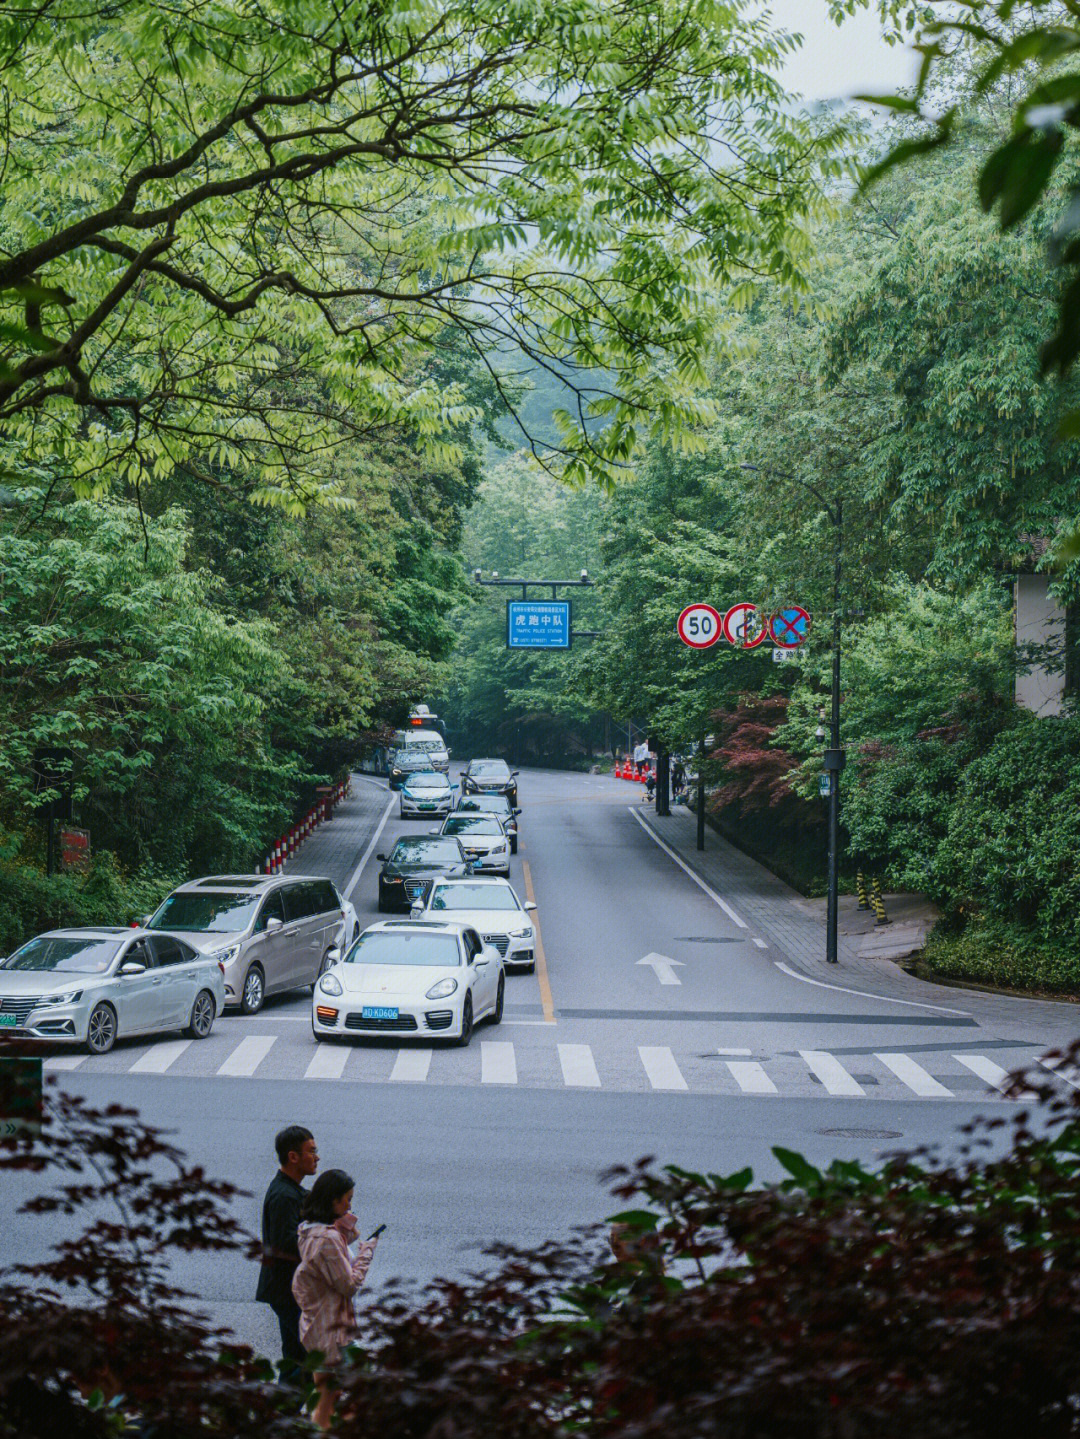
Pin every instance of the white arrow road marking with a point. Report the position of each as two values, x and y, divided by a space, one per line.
662 967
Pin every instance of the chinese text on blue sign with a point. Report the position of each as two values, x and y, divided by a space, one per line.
538 624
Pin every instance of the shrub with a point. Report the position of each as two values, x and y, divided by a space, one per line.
991 952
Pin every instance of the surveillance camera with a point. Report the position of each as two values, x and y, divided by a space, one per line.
476 575
494 574
584 574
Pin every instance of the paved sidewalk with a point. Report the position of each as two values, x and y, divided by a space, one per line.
795 927
337 846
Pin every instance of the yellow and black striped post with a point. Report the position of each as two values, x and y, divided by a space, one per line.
880 917
860 884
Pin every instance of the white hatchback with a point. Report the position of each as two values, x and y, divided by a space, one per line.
492 907
409 977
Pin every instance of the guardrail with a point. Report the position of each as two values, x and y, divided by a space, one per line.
283 849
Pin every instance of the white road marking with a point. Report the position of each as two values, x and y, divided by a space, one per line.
497 1062
328 1062
663 967
158 1059
248 1055
750 1077
831 1072
1068 1072
865 994
578 1066
915 1076
660 1066
687 870
734 1051
64 1061
760 943
411 1066
346 893
986 1069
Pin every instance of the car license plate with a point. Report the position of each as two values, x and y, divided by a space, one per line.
9 1021
425 805
378 1011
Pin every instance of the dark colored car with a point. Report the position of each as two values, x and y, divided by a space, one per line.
413 862
490 776
410 759
494 804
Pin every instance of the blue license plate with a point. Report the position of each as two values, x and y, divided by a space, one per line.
378 1011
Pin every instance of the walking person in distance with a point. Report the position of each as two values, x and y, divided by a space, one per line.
328 1277
298 1158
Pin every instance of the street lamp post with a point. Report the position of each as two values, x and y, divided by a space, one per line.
834 755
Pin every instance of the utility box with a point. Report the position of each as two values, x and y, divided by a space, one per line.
1040 640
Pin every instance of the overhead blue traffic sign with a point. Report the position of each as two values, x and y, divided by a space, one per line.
538 624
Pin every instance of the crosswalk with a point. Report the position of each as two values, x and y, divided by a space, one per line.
539 1063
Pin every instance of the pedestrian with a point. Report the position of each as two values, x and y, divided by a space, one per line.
328 1276
650 786
298 1158
678 776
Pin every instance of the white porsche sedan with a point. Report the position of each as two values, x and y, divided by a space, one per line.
492 908
424 978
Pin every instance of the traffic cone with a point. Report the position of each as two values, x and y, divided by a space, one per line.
880 917
860 885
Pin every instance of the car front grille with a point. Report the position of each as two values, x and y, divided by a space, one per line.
500 941
439 1018
20 1006
402 1025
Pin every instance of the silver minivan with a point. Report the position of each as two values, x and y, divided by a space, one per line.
270 933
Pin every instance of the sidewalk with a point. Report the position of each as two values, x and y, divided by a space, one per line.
794 927
336 847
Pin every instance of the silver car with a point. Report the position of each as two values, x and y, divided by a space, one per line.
483 839
93 986
426 792
271 932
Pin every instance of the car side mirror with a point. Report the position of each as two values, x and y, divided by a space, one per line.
529 906
416 910
145 920
481 959
333 956
273 923
517 810
132 966
381 858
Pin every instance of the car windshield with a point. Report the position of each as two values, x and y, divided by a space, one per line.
428 779
435 744
489 803
384 946
205 913
474 823
91 955
425 851
473 896
490 769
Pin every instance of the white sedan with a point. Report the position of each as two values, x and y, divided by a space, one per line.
492 907
483 839
411 977
427 792
93 986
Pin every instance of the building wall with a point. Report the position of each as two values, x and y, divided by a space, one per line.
1040 621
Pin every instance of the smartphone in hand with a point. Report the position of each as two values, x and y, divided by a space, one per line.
376 1233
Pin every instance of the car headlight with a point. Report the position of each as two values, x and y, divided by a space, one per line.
521 933
330 984
443 989
225 956
71 996
499 848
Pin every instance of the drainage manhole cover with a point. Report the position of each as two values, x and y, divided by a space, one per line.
706 939
862 1133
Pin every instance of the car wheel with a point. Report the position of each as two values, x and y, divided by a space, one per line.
466 1023
101 1030
497 1012
513 846
202 1015
383 906
254 991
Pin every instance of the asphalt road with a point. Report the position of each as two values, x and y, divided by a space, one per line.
706 1055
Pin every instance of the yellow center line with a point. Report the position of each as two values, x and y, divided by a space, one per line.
541 962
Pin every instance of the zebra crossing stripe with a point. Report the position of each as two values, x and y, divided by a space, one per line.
411 1066
328 1061
64 1061
661 1067
750 1077
986 1069
158 1059
915 1076
247 1056
834 1077
497 1063
578 1066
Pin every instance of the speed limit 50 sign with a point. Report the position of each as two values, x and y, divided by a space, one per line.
700 626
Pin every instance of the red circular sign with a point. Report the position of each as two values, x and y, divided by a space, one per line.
738 623
700 626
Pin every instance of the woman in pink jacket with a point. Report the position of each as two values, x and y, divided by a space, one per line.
328 1276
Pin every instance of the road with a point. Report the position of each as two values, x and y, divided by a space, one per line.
724 1042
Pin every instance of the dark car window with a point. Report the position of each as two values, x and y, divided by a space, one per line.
428 850
206 912
300 901
490 769
171 951
65 954
460 823
139 953
326 896
472 943
273 907
385 947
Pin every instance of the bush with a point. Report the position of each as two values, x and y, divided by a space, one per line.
990 952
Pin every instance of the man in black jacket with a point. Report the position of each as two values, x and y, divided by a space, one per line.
298 1158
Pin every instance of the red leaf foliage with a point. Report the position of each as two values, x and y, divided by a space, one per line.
756 773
